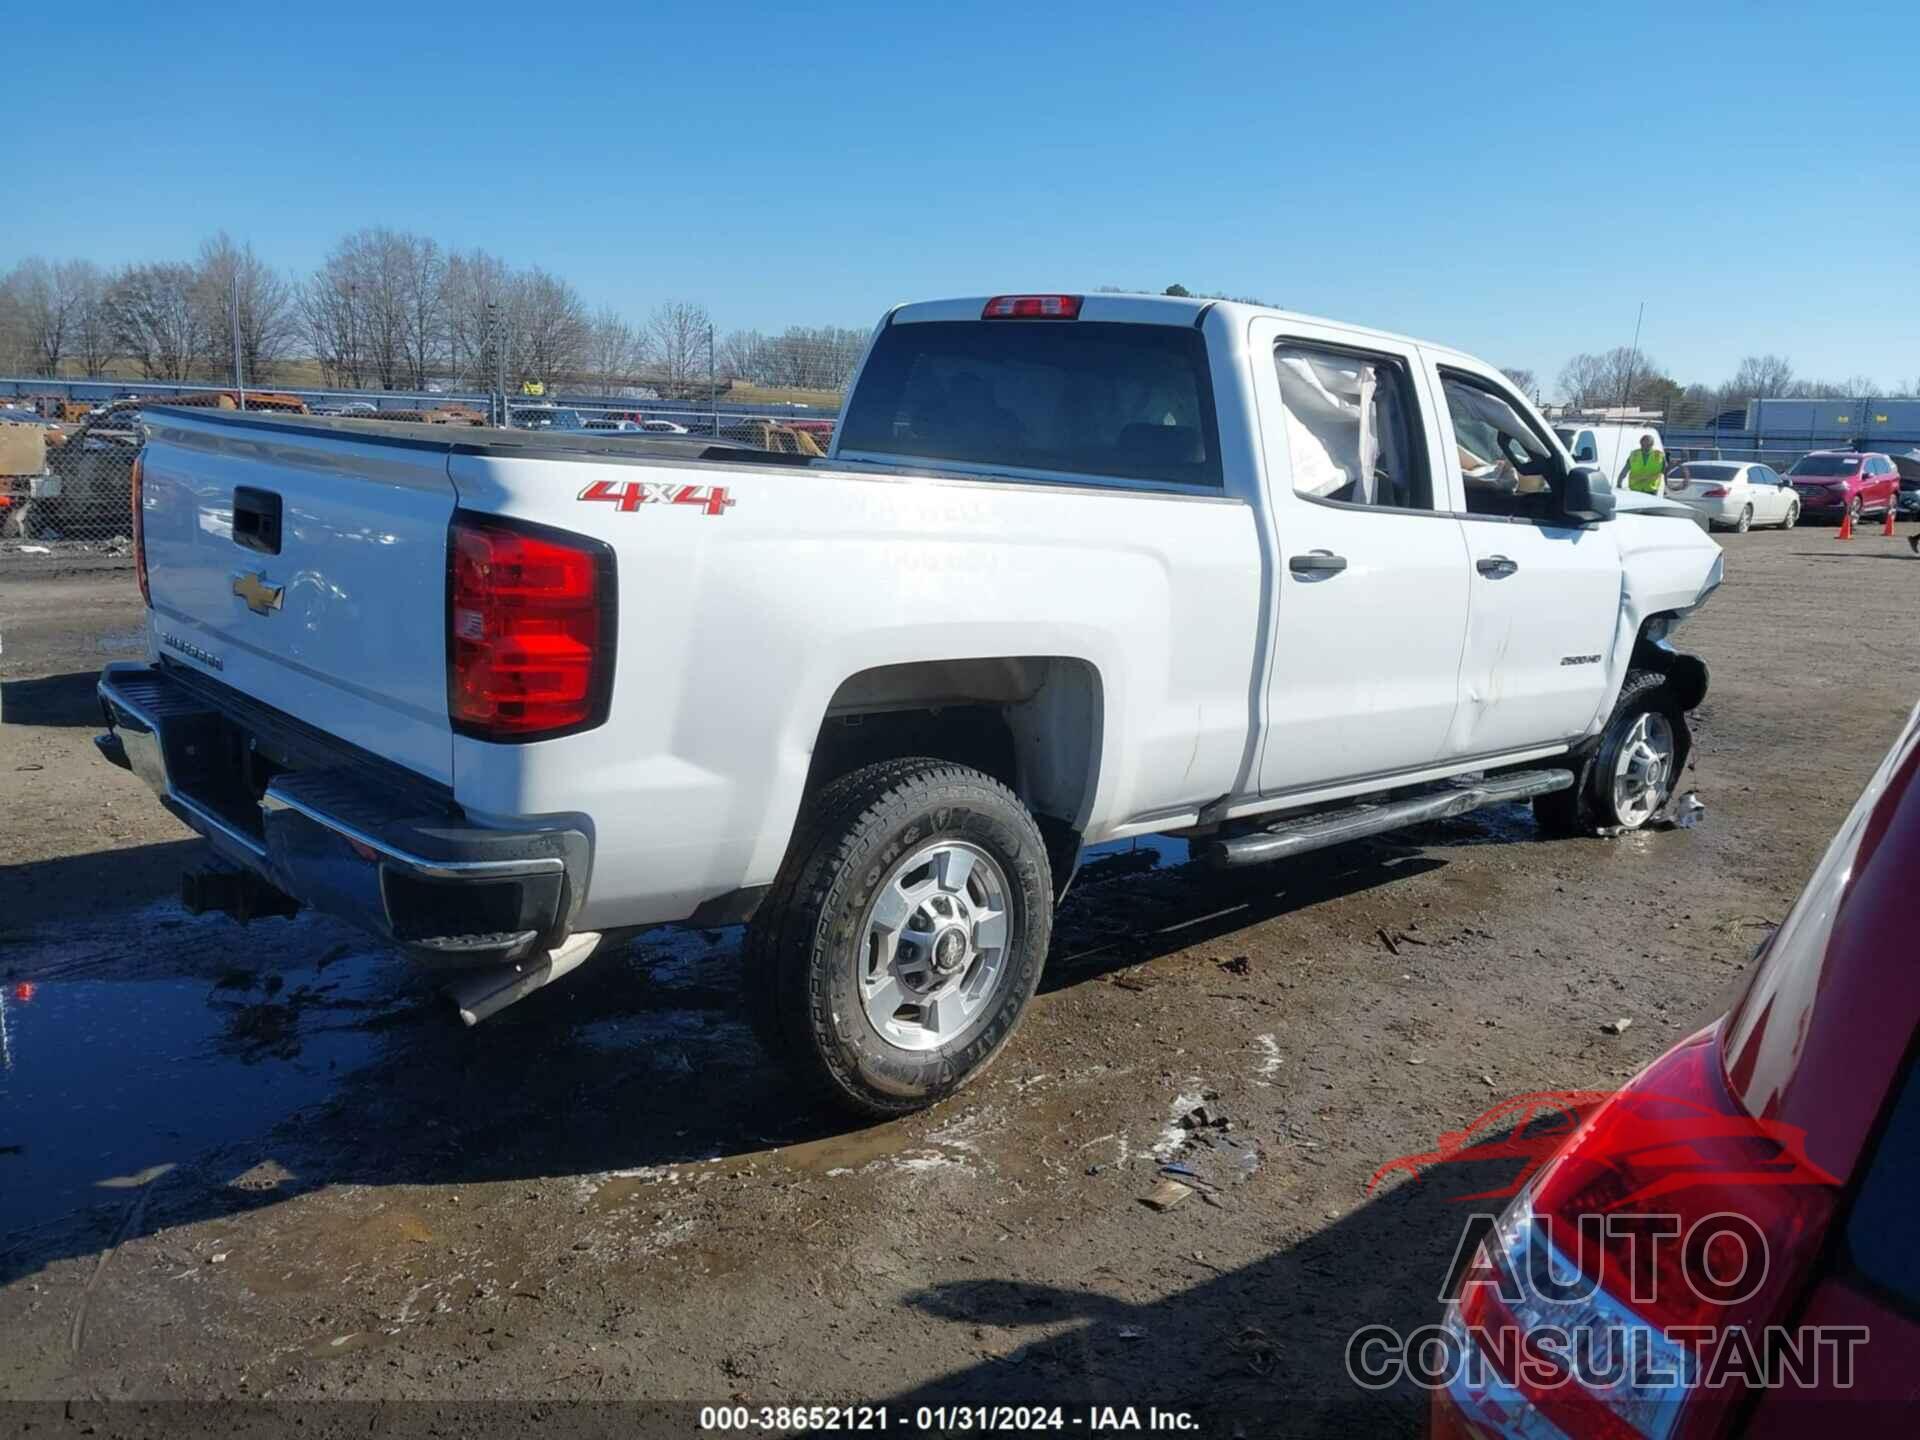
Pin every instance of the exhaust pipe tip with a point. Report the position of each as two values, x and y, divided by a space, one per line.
487 992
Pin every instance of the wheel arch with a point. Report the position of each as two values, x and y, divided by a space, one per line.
1035 722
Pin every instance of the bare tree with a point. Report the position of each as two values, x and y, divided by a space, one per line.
550 327
238 291
740 356
1523 380
92 339
1582 380
1620 376
678 338
13 325
476 300
615 352
156 319
1761 377
423 277
48 298
326 308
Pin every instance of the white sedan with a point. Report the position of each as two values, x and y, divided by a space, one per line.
1734 495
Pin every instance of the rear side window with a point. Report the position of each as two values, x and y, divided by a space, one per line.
1351 434
1131 402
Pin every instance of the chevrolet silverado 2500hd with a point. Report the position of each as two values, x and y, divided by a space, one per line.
1076 568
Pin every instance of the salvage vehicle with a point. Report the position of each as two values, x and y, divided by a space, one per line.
1076 569
1735 496
1605 444
1787 1134
1833 483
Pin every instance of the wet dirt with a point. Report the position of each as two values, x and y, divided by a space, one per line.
268 1163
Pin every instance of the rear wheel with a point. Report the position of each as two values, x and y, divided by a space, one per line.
1745 522
1623 778
904 936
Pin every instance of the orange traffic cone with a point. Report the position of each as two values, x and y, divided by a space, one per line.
1846 524
1889 525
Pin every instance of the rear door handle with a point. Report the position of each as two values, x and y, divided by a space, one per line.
1495 567
1317 562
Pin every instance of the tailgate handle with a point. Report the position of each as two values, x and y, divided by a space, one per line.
256 519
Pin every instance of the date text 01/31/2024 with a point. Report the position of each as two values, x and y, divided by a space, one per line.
943 1419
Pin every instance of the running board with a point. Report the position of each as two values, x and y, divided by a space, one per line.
1354 822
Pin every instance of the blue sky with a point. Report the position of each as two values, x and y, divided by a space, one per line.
1513 180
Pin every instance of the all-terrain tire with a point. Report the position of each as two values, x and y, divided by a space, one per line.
1587 808
805 945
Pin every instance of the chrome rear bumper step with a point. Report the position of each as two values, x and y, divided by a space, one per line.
1298 835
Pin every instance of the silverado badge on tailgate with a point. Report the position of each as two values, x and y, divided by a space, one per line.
261 597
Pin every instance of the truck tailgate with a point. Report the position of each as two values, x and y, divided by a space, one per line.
308 571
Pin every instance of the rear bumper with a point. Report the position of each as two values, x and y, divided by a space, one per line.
341 831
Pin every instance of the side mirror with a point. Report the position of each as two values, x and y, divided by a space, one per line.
1586 495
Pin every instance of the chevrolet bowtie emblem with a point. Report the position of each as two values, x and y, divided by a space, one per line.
260 596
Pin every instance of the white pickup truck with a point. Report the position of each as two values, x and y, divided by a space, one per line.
1077 568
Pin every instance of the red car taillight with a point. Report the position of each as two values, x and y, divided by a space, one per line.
139 530
1740 1211
530 630
1716 492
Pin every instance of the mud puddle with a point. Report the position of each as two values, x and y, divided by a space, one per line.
105 1084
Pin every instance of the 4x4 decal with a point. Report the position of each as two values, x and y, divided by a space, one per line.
630 495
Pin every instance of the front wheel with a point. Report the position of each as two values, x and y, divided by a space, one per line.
1856 509
1624 777
904 935
1793 517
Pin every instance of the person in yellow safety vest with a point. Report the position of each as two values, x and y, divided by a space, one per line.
1647 468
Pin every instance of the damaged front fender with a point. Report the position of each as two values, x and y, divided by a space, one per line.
1686 675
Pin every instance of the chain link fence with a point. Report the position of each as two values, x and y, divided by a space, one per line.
67 445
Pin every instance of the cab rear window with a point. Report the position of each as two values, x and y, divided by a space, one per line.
1825 465
1077 398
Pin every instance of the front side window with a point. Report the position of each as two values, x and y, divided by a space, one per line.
1076 397
1351 436
1507 467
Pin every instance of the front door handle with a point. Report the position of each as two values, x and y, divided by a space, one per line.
1495 567
1317 562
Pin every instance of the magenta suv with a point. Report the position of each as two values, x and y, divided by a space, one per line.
1832 483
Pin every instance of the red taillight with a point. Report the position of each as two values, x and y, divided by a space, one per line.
1676 1143
1032 307
529 631
1694 1217
139 529
1717 492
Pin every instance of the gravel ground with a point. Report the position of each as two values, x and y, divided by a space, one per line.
268 1164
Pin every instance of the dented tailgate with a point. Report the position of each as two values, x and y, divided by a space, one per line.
307 570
